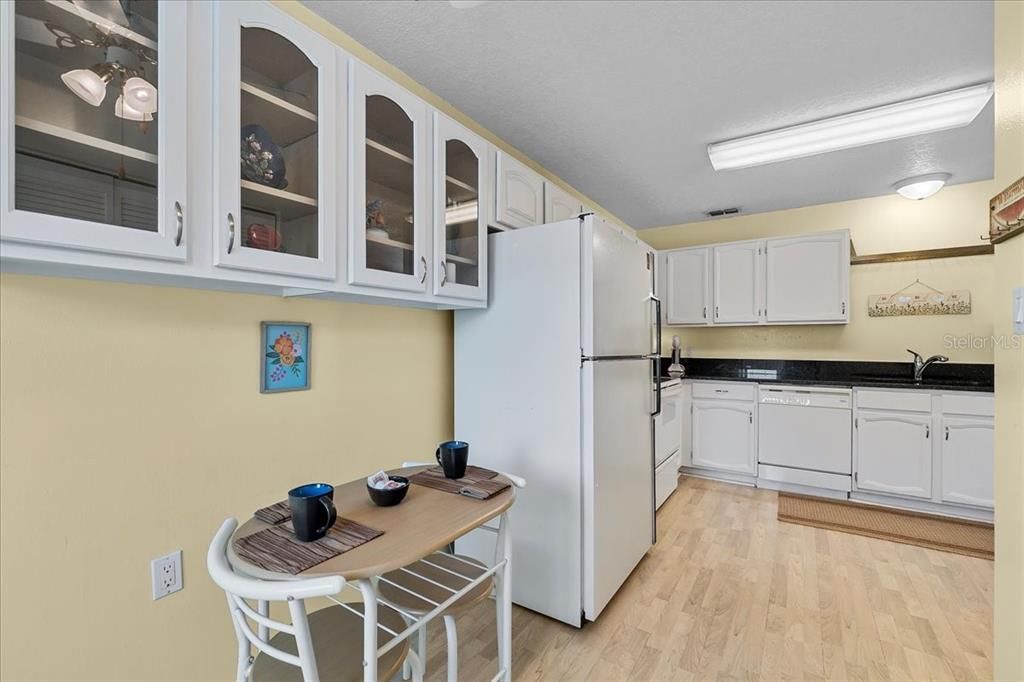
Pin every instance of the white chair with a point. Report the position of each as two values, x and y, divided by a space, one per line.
437 577
325 644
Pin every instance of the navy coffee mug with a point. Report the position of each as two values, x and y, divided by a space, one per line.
452 456
313 511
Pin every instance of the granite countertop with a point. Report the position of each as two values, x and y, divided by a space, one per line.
847 374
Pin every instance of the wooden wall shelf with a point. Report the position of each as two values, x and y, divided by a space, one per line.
928 254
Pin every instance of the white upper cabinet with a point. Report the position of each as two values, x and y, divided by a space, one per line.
967 458
275 126
687 286
93 114
460 224
519 193
807 278
893 453
559 204
738 283
390 217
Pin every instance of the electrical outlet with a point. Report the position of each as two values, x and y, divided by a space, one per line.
166 573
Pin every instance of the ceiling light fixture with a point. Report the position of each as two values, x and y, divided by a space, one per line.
930 114
921 186
140 95
126 111
460 213
89 84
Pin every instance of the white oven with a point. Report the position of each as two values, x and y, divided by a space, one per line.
668 435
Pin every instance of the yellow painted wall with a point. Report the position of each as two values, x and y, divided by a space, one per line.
1009 356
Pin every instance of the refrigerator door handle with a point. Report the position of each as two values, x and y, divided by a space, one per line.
656 385
657 325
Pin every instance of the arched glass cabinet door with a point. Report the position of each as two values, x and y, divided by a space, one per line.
460 195
276 145
388 234
93 124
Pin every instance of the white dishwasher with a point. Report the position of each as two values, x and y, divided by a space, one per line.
805 436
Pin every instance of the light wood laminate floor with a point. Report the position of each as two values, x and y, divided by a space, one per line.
729 592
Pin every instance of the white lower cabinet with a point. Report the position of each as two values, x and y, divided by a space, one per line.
724 436
967 447
893 453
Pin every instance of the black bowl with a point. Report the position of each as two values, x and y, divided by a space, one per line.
389 498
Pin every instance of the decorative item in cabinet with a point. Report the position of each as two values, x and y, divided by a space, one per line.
284 356
262 160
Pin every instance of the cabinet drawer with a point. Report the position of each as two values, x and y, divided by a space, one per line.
893 400
724 391
975 405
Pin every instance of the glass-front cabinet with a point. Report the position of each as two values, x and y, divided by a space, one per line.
93 154
460 228
389 214
276 131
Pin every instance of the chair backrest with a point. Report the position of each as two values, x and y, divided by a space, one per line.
240 590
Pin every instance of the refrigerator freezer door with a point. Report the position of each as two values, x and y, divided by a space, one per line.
618 476
617 284
518 404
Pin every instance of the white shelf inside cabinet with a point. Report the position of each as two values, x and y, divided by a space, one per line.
95 153
104 24
287 204
399 156
286 122
385 241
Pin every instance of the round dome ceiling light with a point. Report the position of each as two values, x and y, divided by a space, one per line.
921 186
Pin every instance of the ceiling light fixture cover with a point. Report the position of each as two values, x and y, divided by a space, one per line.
124 110
921 186
140 95
930 114
89 84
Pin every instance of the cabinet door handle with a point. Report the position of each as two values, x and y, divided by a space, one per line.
444 272
716 312
423 277
231 232
179 218
947 433
844 307
750 415
705 312
927 431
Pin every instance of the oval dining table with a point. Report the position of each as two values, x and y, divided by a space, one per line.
426 521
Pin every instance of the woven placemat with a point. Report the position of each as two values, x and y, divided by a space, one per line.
478 482
276 549
972 538
275 513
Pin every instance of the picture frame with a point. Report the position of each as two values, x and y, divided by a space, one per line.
284 356
1006 213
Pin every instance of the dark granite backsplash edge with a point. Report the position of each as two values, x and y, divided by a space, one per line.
977 376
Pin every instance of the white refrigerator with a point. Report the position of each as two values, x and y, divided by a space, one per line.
554 382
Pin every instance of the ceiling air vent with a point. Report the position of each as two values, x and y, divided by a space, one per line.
723 211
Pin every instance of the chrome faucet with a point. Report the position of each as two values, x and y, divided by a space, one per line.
920 364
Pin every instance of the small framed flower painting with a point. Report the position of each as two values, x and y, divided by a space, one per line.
284 357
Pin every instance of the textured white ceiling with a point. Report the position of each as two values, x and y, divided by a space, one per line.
620 99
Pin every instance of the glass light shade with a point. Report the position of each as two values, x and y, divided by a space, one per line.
922 186
140 95
89 84
124 110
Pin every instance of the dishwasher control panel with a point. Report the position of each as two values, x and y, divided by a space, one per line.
839 398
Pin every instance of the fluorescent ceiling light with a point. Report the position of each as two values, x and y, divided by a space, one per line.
922 186
914 117
461 213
